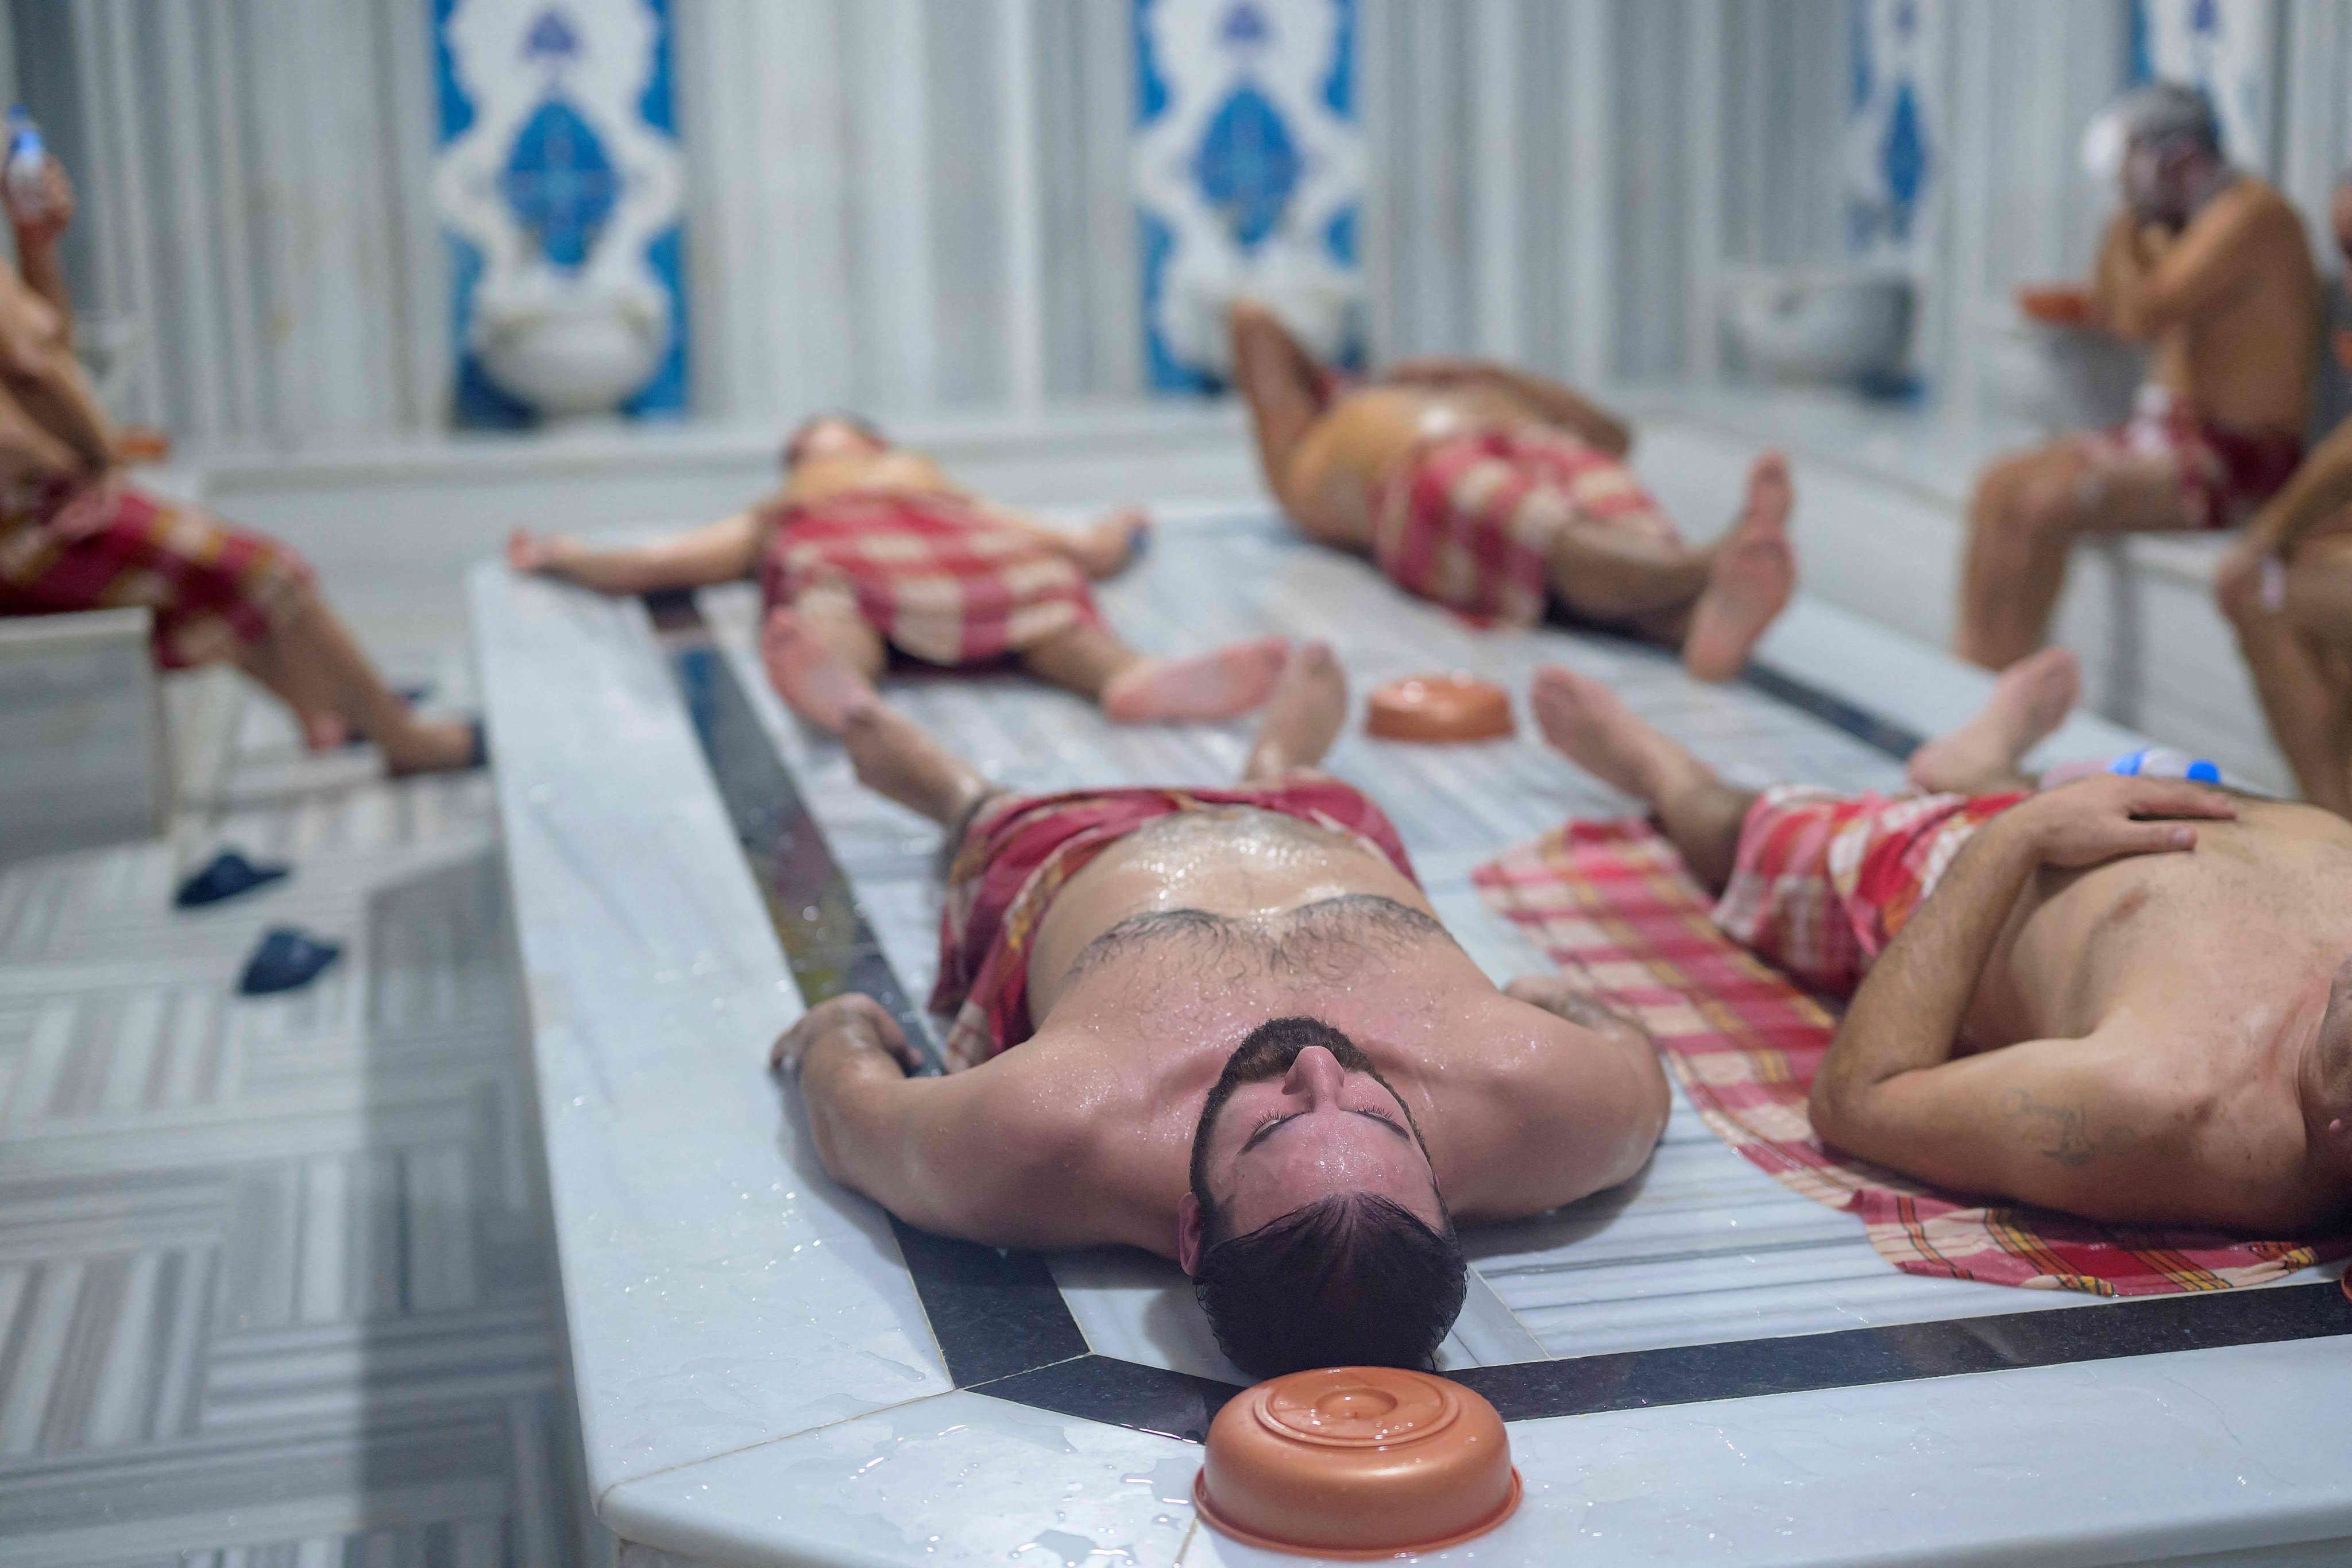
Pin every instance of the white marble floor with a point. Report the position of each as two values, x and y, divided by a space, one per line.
274 1273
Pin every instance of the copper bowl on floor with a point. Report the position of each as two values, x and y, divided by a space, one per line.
1357 1462
1439 708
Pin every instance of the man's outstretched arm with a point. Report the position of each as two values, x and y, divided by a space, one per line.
978 1154
716 552
2030 1121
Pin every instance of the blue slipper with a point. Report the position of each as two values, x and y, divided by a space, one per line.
226 875
286 961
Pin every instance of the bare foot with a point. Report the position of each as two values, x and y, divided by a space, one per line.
434 746
2032 698
1111 543
1753 575
1303 715
893 756
814 679
1586 723
1221 684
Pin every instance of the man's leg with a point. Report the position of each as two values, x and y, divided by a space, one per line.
2031 697
1136 689
313 641
1287 390
1584 720
2022 522
2297 656
822 655
1303 717
893 757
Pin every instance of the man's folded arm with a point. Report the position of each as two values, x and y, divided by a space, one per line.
2064 1123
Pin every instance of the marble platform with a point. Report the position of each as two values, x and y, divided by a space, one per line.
756 1376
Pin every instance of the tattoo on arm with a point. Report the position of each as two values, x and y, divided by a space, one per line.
2063 1129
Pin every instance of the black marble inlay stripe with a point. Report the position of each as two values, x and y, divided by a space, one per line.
1120 1394
1004 1329
1905 1352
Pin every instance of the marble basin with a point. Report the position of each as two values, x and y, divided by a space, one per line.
1820 324
2060 377
571 355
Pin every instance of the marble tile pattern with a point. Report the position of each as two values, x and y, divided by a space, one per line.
274 1277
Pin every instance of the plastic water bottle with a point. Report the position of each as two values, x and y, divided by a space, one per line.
26 174
2163 762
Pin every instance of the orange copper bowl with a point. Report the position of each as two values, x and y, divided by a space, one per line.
1357 1461
1440 707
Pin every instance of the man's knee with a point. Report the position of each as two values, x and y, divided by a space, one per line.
2032 501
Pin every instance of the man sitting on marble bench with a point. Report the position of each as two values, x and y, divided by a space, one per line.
2208 267
2128 998
76 536
870 547
1223 1025
1498 495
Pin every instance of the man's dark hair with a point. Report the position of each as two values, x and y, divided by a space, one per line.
1353 1280
795 442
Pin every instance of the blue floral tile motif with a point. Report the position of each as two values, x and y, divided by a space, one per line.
560 186
2225 47
1248 170
1247 166
1904 161
1892 124
560 183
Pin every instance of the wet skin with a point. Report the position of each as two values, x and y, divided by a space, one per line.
1153 965
2170 1003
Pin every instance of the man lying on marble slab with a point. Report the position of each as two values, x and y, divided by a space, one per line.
2286 587
869 548
2125 997
1498 495
1223 1025
2209 268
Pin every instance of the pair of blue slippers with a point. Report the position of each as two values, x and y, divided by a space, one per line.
286 959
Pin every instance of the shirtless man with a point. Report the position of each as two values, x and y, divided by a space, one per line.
2208 267
2287 587
1496 493
76 536
870 547
2128 998
1225 1027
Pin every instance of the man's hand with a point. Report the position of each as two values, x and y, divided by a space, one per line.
40 223
2102 818
547 554
853 1022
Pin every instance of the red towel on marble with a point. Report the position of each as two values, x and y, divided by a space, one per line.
1020 849
1612 904
932 572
